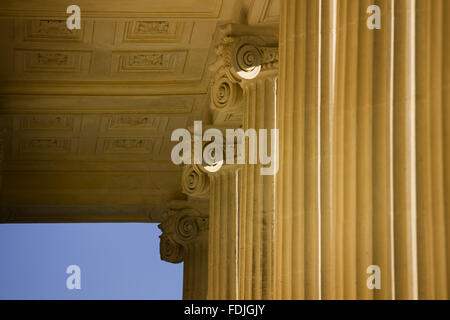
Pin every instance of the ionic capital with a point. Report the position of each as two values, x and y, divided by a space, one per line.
194 182
242 53
245 57
181 228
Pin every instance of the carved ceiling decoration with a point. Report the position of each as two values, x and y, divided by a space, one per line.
86 115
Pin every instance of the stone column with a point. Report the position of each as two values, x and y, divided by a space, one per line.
223 239
221 187
297 183
185 239
363 157
432 116
334 192
257 204
246 75
361 129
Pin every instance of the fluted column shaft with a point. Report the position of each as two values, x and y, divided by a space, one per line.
364 160
257 203
195 270
362 131
432 111
244 82
223 238
297 198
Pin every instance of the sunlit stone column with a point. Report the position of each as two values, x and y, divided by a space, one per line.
338 122
432 118
363 150
223 238
257 204
297 183
220 183
246 78
391 98
372 169
334 188
360 167
185 239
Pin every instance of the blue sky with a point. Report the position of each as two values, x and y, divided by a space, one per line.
117 261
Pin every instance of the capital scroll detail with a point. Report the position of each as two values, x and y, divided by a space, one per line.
179 230
245 57
239 58
195 183
226 93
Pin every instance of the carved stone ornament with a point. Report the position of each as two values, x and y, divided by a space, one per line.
226 93
239 58
179 229
194 183
245 57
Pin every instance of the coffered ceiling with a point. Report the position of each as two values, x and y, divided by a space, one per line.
86 115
